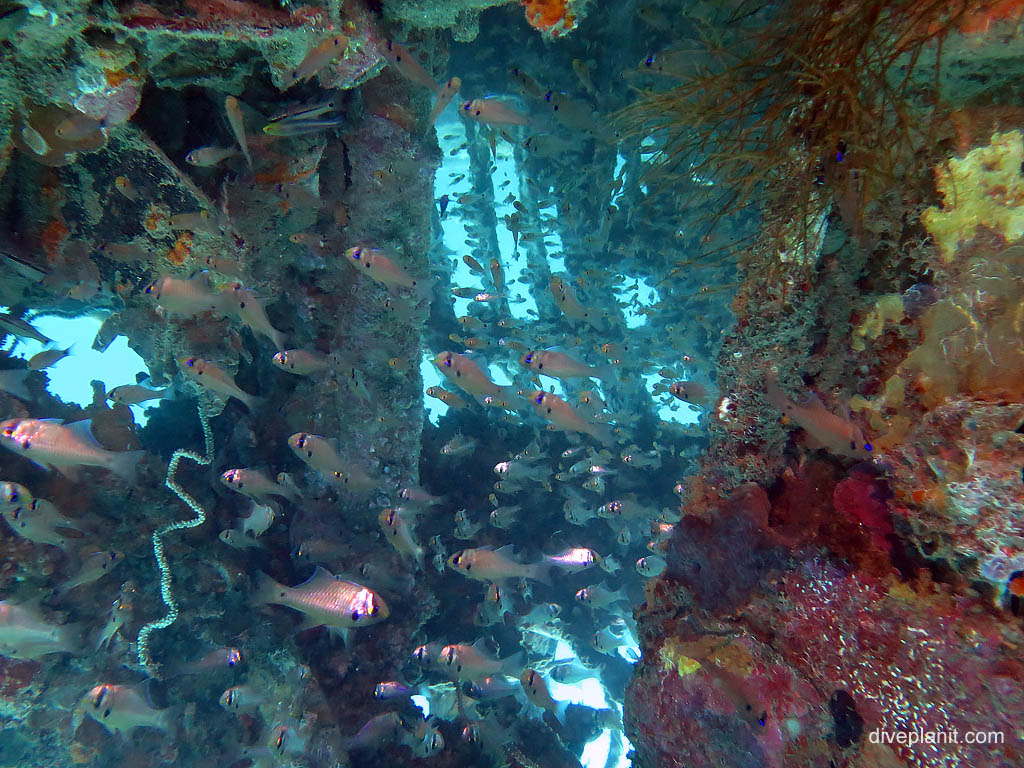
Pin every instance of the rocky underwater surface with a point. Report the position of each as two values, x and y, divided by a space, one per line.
547 383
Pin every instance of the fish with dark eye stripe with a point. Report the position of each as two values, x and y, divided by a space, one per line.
122 709
382 268
65 447
321 455
536 689
210 376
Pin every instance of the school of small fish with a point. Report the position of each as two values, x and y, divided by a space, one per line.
568 470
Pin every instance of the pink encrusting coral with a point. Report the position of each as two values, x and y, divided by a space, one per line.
921 660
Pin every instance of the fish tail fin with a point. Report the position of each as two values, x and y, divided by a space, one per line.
15 385
424 289
560 708
775 395
126 464
541 572
602 432
77 638
265 590
252 402
514 665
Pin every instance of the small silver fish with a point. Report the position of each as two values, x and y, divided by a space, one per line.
326 600
24 634
121 709
65 447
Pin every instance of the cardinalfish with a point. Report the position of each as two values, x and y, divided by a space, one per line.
836 434
406 64
326 600
486 564
318 57
688 391
208 157
135 394
536 689
65 447
497 275
211 377
256 485
380 267
190 297
320 454
444 98
237 123
242 698
557 364
464 373
599 596
24 634
303 362
493 112
575 559
398 531
566 300
473 662
564 417
248 308
39 521
450 399
122 709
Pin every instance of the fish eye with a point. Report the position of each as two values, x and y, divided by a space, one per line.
457 559
357 253
375 610
190 362
649 61
356 615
